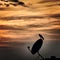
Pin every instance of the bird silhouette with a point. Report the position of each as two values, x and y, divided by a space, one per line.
36 46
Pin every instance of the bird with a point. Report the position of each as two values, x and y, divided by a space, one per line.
36 46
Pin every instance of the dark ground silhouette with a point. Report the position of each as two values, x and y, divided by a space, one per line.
52 58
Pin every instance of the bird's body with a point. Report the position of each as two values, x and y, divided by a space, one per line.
37 46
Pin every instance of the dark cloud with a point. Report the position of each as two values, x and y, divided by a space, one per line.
5 27
34 25
2 9
52 31
3 39
14 0
57 16
43 1
12 41
44 25
52 23
19 17
7 40
55 31
17 2
52 5
46 1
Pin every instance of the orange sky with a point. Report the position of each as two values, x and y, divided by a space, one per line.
23 24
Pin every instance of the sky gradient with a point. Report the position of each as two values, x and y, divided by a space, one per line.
21 25
40 17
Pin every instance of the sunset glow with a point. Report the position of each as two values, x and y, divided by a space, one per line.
20 24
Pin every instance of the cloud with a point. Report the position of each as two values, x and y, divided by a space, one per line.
34 25
46 1
57 16
7 39
55 31
14 40
4 39
20 17
5 27
14 0
52 31
52 5
48 24
57 22
2 8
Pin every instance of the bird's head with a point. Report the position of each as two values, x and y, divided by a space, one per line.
41 36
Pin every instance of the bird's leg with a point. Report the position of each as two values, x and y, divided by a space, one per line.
40 55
